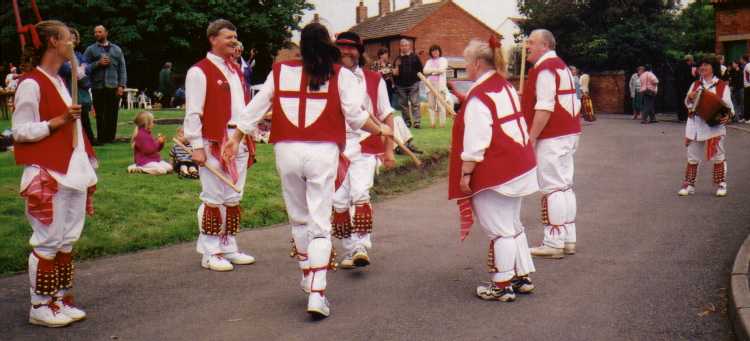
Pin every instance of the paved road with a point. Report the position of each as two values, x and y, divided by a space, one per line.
651 266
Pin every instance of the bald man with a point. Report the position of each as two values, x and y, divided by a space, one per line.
552 109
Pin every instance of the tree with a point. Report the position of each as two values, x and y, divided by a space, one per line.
605 34
154 32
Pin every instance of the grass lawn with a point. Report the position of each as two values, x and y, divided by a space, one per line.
136 211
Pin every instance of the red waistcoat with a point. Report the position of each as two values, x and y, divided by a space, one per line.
330 125
217 106
561 122
54 151
373 144
505 159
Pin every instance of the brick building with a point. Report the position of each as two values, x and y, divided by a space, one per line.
444 23
732 18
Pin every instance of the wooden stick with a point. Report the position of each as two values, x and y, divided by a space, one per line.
441 100
73 86
523 64
216 172
399 143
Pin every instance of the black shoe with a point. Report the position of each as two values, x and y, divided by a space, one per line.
653 121
414 149
644 122
417 126
398 151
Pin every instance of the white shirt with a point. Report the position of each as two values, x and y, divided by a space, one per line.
351 96
195 97
27 127
696 128
746 75
354 137
478 135
440 66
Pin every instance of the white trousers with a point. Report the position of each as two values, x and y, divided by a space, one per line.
68 217
308 173
435 107
555 159
696 151
400 130
153 168
215 192
500 217
356 190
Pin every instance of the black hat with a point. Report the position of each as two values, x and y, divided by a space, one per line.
350 38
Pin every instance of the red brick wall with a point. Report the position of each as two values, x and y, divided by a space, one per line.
607 91
451 28
731 20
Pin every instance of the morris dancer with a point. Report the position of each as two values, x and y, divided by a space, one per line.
214 97
551 109
58 178
701 139
355 189
492 168
312 102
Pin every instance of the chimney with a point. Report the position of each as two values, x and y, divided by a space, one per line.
361 12
415 2
384 7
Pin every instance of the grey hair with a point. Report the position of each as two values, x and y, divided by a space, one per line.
547 37
479 50
404 40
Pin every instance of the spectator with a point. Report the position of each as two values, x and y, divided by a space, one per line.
746 83
649 89
406 67
576 80
723 75
166 86
383 66
11 80
179 97
685 74
182 160
108 76
436 69
146 148
244 66
84 84
635 92
735 84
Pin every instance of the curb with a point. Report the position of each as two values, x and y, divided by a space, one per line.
739 310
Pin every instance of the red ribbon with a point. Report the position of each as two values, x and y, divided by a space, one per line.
39 194
467 216
712 147
230 167
494 43
31 29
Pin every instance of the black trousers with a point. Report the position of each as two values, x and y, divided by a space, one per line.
106 105
86 121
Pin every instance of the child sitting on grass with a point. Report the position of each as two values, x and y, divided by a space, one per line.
146 149
182 161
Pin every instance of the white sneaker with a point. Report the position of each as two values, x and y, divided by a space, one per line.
239 258
69 309
347 262
360 258
685 191
317 305
545 251
216 263
522 285
48 315
495 293
722 190
569 248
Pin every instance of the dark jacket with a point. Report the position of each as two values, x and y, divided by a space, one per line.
408 67
110 76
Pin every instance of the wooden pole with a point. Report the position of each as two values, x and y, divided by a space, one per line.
523 65
441 100
73 86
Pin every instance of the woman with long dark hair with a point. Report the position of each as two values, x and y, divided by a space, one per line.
312 101
58 173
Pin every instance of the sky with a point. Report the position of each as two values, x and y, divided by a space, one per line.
339 15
